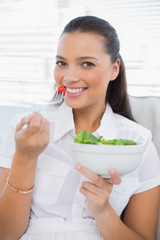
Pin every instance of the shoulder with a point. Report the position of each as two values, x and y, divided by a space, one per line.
133 130
127 123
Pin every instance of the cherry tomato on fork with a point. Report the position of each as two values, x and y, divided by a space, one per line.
61 89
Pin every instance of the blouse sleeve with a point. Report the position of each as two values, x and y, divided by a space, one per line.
149 170
7 147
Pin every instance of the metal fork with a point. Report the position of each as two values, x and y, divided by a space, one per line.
57 98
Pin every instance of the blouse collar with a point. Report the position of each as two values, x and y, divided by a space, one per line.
64 122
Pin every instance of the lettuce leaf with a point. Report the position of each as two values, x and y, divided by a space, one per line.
86 137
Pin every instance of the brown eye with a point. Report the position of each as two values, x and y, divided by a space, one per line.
88 64
60 63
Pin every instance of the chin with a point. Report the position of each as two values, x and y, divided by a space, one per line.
74 104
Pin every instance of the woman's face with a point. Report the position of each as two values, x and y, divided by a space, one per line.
84 68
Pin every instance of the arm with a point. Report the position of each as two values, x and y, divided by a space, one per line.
15 207
139 213
142 211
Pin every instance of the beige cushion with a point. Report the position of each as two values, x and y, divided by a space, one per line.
146 111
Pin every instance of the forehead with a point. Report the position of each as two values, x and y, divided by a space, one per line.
85 42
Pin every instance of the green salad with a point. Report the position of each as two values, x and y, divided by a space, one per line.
86 137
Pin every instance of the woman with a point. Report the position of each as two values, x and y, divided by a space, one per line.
63 204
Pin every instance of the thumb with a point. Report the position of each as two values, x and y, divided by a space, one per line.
24 121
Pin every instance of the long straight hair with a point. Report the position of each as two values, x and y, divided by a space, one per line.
116 95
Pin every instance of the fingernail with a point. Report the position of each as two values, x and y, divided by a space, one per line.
77 166
26 119
30 116
111 170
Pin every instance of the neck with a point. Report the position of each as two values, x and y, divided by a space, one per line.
89 118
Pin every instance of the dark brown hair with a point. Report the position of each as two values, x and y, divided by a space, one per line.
116 95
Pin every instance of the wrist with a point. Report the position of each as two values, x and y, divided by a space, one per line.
24 159
22 171
26 154
23 165
104 215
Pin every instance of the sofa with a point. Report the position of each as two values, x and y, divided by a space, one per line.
146 111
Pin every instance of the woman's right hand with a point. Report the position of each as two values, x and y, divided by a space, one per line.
32 141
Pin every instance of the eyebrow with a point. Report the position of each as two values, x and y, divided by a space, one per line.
58 56
80 58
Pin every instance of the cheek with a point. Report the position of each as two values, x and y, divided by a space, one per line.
98 79
57 75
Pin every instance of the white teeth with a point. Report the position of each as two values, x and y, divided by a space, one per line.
77 90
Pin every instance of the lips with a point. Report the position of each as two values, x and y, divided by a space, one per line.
75 90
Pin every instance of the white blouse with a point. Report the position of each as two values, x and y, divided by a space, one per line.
57 182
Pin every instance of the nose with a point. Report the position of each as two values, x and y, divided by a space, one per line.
71 75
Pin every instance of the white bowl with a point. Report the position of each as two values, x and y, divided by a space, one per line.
99 158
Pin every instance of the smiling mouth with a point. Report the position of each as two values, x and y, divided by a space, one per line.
75 90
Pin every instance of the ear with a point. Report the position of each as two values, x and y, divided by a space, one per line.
115 69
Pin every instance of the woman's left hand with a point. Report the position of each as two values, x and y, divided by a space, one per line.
98 190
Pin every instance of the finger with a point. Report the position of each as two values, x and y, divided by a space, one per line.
25 120
44 125
45 134
105 188
35 123
95 199
41 123
91 187
47 127
96 179
115 177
